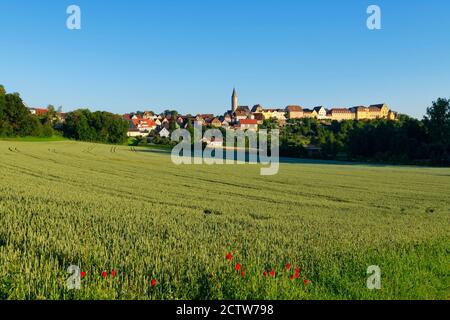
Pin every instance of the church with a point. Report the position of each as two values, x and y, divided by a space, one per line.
237 112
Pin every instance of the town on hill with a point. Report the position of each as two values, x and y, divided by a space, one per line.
141 123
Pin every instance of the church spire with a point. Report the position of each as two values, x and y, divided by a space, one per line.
234 100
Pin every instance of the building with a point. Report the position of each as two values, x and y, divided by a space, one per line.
321 113
308 113
38 111
216 123
382 109
164 133
294 112
341 114
234 101
248 124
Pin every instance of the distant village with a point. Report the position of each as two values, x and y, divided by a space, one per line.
143 123
244 118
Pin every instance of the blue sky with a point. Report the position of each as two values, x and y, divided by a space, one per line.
188 55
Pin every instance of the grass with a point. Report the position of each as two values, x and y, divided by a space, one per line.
129 209
33 139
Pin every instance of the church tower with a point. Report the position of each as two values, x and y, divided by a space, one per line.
234 101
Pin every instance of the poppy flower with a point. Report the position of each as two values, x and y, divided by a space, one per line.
272 273
153 282
265 274
104 274
288 266
82 274
229 256
292 277
297 270
306 281
243 274
113 273
238 266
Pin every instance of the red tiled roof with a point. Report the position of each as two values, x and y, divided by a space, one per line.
248 121
294 109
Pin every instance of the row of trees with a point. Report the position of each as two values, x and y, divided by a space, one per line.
17 120
407 140
96 126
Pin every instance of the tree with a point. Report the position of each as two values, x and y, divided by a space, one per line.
2 101
95 127
437 121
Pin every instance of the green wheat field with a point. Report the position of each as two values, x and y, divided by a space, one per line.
131 210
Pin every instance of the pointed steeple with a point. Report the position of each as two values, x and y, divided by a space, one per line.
234 101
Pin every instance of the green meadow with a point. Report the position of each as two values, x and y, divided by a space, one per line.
131 210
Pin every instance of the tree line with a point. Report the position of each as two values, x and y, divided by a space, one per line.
17 120
406 140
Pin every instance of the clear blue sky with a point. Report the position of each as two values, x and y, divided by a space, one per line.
188 55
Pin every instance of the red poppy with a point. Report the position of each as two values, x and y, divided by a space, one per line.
292 277
265 274
104 274
82 274
238 266
272 273
297 270
306 281
153 282
288 266
113 273
229 256
243 274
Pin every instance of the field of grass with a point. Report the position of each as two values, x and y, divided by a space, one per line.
131 210
33 139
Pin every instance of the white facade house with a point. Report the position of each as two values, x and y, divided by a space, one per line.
164 133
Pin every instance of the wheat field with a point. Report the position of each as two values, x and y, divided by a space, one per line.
140 227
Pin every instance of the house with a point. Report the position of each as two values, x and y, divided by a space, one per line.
200 120
146 125
259 117
294 112
308 113
392 116
227 117
38 111
213 142
132 133
148 115
361 112
257 109
181 121
340 114
248 124
382 110
240 115
164 133
278 114
215 123
321 113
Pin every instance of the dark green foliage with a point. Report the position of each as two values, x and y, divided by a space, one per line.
95 127
406 140
16 119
